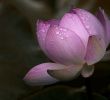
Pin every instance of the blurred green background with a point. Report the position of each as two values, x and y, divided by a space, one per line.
19 51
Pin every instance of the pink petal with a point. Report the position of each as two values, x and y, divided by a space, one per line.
42 28
72 22
105 22
87 71
64 46
95 50
91 23
38 75
68 73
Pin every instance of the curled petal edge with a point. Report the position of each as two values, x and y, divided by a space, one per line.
38 75
95 50
66 74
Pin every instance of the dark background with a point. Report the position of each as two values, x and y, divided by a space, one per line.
19 51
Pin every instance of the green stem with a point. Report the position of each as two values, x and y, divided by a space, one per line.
88 88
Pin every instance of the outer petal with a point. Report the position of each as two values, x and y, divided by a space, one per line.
95 50
105 22
39 76
42 28
72 22
90 22
68 73
64 46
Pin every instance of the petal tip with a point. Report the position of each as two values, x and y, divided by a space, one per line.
38 22
39 76
27 80
87 71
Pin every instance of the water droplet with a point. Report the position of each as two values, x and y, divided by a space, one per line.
87 26
43 30
66 35
56 28
62 38
57 32
61 29
64 29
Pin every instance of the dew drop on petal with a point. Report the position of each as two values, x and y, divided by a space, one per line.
57 32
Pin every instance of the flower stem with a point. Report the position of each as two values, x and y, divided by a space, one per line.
88 88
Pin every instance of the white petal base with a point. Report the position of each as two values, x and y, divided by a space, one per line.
66 74
87 71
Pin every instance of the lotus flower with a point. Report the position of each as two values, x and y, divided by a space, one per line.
74 43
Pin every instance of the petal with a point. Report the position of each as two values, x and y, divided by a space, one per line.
64 46
90 22
72 22
105 22
38 75
87 71
95 50
42 28
67 73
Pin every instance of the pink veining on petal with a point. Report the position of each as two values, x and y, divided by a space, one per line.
64 46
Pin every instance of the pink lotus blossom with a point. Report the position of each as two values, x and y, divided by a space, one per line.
75 43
